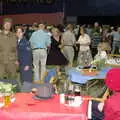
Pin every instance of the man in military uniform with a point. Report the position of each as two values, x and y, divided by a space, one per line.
7 51
68 43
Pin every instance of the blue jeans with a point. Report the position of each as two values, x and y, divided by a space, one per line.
116 44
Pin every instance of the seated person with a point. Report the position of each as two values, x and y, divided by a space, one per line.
101 52
101 57
111 106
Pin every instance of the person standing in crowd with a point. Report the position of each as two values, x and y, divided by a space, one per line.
68 38
84 55
40 41
116 40
76 30
7 51
35 26
30 30
25 27
55 56
24 57
96 38
48 30
89 30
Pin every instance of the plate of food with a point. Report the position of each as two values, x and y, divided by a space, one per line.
90 72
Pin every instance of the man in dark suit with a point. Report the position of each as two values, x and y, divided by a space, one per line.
24 57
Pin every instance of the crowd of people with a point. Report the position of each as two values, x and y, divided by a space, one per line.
40 44
32 48
66 44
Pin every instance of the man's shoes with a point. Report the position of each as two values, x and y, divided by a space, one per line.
41 82
36 82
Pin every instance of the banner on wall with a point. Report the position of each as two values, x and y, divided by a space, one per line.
49 18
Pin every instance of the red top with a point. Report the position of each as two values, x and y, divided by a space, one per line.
112 80
112 107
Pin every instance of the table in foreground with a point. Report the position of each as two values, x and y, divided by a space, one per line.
26 108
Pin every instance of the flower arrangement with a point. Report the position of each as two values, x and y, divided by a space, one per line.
6 88
98 63
100 58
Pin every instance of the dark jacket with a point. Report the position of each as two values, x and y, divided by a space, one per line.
24 52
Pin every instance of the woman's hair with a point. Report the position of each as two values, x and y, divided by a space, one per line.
83 29
54 29
104 46
19 27
69 26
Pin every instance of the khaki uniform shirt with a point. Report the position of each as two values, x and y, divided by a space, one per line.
68 38
7 47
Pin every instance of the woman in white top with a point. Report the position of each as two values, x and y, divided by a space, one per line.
84 55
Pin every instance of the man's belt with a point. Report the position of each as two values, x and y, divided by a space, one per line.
38 48
69 45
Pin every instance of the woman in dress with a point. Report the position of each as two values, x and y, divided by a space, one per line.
55 56
84 55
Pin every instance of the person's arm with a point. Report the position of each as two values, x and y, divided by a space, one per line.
61 45
73 39
88 40
17 57
48 41
95 99
62 39
32 40
78 42
101 106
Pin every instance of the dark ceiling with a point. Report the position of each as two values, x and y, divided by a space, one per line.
69 7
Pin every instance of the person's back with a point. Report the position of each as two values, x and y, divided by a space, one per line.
7 51
112 104
68 38
39 39
116 36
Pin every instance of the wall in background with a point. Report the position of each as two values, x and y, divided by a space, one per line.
50 18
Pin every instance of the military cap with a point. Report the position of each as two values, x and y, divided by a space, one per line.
7 19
